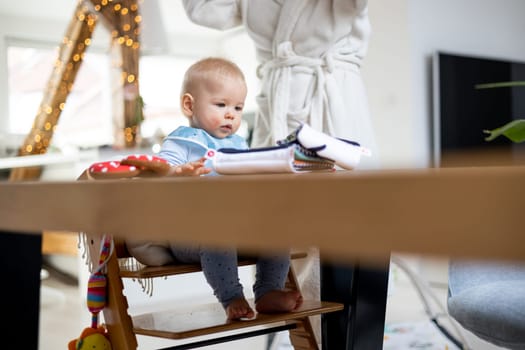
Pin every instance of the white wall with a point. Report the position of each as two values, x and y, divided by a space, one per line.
17 28
398 67
37 32
386 71
493 28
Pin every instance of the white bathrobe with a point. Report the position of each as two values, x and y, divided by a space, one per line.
310 52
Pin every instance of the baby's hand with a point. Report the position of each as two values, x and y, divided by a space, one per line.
195 168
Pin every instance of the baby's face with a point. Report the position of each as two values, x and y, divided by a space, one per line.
218 106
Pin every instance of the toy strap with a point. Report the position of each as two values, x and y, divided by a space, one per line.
106 248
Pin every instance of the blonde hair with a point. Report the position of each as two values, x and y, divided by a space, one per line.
209 68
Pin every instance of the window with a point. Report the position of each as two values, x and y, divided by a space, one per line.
160 83
85 120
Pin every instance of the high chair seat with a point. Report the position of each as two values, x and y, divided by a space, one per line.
141 271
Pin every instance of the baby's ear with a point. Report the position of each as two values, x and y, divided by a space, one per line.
186 104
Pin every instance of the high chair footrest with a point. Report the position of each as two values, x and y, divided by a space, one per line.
212 319
232 337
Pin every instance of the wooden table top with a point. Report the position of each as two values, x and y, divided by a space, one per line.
467 212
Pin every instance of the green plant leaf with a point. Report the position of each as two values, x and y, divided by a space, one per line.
139 109
500 84
514 131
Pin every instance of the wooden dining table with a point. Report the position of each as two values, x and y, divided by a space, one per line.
355 218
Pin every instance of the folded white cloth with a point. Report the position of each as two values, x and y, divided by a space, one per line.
304 150
345 153
280 159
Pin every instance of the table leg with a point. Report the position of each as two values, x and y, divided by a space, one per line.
363 291
21 259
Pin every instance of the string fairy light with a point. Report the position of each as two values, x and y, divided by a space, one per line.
124 20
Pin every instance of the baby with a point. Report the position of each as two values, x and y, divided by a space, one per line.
212 98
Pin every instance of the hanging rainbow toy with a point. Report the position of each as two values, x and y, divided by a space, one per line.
96 336
97 283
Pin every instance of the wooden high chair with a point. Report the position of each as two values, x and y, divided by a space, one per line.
123 328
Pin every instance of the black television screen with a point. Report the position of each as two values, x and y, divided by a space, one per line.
463 108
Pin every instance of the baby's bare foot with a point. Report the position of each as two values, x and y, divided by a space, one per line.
279 301
239 308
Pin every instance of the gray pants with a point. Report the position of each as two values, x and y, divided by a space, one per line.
219 267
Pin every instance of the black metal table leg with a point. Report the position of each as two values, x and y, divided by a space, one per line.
363 291
21 259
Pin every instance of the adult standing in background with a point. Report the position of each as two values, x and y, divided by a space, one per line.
309 55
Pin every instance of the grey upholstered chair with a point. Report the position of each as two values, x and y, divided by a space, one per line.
488 299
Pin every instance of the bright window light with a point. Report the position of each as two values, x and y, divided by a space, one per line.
86 118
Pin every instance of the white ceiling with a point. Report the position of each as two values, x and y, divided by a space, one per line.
172 13
165 28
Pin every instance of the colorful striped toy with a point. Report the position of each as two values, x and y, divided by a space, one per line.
97 283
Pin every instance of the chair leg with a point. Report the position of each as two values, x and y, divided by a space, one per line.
116 317
302 337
